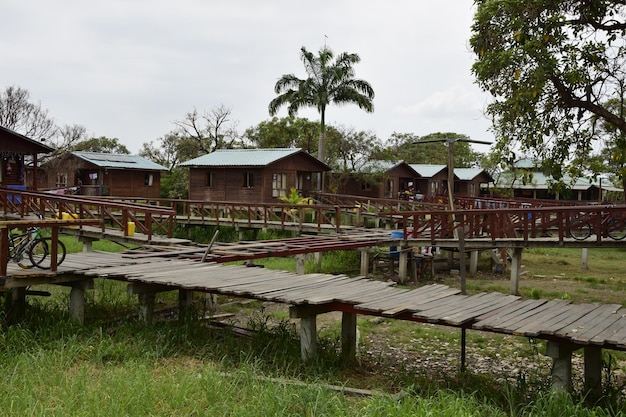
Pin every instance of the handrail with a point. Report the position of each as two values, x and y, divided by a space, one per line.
54 225
519 223
146 217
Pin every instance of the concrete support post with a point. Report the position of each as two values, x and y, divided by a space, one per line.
308 337
561 355
18 305
585 257
318 260
593 371
308 327
348 337
473 266
77 304
185 304
300 264
211 302
146 307
87 245
516 265
365 262
77 299
403 262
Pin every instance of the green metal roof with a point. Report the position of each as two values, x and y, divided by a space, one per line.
119 161
427 170
242 157
468 174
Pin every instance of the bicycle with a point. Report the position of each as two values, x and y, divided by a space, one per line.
34 245
613 226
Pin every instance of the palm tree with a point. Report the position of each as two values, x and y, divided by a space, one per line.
327 82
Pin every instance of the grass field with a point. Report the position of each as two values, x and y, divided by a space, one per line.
115 365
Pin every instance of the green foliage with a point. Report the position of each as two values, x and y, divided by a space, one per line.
406 147
101 144
285 132
175 184
328 81
551 69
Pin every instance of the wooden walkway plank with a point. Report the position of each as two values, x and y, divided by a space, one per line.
410 298
566 318
529 326
516 308
470 314
446 309
416 302
514 321
602 337
594 323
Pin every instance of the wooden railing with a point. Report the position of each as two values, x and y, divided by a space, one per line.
148 219
526 223
53 225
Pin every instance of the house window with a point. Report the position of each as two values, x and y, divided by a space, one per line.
366 186
279 185
472 189
148 180
434 187
248 179
61 179
208 179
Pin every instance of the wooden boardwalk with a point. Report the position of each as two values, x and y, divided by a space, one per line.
565 325
558 320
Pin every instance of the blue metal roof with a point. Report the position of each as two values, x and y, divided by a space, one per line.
241 157
121 161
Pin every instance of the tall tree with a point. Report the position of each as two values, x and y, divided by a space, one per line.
551 67
406 147
284 132
209 131
327 82
101 144
19 113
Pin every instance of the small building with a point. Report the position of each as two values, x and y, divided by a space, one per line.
432 181
528 181
99 174
470 181
253 175
377 179
16 152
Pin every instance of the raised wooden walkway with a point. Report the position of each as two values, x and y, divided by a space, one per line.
566 326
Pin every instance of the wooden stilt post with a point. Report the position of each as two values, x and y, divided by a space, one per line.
403 264
593 371
185 304
146 307
585 258
365 262
77 299
473 266
516 265
300 264
348 337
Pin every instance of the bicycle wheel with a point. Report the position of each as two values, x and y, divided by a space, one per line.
616 228
46 262
580 230
37 251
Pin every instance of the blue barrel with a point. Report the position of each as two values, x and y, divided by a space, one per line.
393 251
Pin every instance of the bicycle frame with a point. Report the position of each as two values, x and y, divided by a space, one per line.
19 242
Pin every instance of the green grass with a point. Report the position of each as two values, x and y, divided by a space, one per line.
117 366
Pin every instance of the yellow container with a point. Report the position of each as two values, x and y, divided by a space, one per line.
68 216
131 228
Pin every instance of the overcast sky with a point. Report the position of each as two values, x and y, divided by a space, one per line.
127 69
